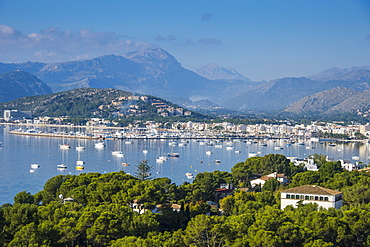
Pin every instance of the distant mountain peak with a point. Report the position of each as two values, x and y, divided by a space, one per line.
150 55
213 71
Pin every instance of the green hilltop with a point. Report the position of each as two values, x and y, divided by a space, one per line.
92 102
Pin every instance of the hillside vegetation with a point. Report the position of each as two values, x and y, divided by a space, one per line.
101 212
91 102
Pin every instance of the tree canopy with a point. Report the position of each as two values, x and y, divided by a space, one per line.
102 212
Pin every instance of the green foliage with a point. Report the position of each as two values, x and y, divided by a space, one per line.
143 170
23 197
258 166
328 169
271 185
101 214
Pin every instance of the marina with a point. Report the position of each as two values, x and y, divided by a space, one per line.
18 152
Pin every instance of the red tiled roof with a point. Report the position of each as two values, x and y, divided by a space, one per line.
224 190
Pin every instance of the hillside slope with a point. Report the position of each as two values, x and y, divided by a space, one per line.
93 102
321 101
17 84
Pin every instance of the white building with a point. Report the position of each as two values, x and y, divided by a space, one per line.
15 114
308 163
350 166
262 180
324 197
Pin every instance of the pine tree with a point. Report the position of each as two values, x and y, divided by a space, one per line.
143 170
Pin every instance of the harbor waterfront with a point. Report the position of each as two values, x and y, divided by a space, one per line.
27 162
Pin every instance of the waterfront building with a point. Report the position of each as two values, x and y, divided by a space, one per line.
11 115
324 197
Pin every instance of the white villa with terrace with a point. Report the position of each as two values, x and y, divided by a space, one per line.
324 197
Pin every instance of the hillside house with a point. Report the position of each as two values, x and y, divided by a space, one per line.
308 163
346 164
262 180
324 197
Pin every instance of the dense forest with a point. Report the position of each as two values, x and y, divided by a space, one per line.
97 209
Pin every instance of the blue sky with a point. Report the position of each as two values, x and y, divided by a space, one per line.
262 39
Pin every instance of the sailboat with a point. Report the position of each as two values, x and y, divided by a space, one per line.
118 153
64 146
160 159
79 162
99 145
62 166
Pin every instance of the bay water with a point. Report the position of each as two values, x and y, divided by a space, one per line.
17 153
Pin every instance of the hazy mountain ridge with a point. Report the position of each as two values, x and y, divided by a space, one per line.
347 74
278 94
360 101
322 101
150 71
17 84
156 72
215 72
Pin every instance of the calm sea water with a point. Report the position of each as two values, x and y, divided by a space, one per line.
19 152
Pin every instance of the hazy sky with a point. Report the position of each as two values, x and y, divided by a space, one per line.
262 39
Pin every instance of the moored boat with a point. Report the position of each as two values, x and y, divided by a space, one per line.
173 155
35 166
117 153
64 146
80 163
80 148
252 154
161 159
99 145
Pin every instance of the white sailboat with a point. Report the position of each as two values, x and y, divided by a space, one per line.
35 166
64 146
99 145
80 148
79 163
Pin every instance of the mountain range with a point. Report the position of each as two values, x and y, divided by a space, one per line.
156 72
18 84
149 71
278 94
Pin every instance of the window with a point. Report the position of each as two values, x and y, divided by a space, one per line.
321 198
302 197
326 198
311 198
287 196
306 197
316 198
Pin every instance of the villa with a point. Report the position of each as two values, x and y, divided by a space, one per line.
324 197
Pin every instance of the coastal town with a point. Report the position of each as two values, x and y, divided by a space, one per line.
105 128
